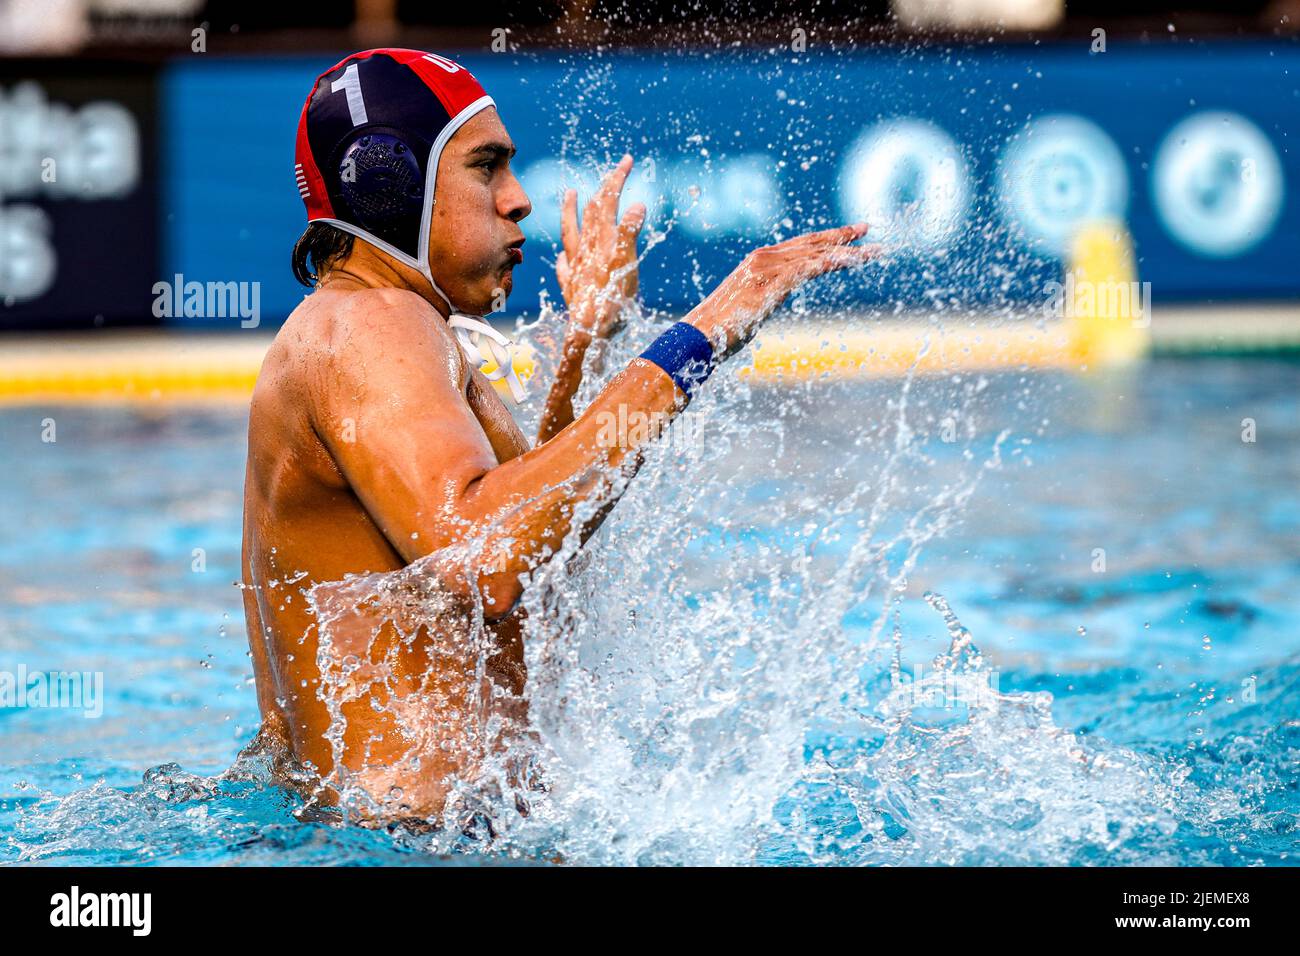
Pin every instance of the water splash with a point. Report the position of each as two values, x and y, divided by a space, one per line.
681 664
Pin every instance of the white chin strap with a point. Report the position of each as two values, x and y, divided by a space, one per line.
484 345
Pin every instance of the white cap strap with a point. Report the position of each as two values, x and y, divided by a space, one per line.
484 345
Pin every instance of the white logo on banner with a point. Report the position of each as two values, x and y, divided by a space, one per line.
1218 183
1060 173
28 262
52 151
908 179
736 195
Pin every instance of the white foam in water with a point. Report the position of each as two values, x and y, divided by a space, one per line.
681 663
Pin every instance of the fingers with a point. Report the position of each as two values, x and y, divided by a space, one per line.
853 231
630 228
569 224
771 273
604 204
790 264
563 271
599 212
816 252
832 259
612 187
839 236
845 257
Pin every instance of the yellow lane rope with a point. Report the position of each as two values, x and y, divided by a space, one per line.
144 366
131 366
1099 315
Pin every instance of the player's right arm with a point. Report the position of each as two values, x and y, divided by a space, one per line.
392 412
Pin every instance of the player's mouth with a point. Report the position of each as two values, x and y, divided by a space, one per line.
515 252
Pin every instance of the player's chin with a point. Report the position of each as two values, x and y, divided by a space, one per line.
490 294
506 281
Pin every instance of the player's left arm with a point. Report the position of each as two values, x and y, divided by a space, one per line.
597 270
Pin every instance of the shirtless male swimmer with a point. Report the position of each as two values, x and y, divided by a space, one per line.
374 437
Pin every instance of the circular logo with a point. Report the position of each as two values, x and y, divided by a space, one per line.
907 179
1059 174
1218 184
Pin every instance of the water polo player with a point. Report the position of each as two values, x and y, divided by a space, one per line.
377 440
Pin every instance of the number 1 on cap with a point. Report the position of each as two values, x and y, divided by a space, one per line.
350 81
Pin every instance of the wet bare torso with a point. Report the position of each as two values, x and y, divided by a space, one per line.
303 524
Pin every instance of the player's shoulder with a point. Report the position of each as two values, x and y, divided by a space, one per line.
366 324
372 341
383 317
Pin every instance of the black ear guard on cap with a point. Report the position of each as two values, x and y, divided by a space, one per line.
381 182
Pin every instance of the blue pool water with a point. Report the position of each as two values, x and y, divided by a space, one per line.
1127 566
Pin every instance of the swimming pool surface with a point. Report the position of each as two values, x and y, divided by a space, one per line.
1130 572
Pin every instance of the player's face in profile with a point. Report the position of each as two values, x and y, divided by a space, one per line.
478 203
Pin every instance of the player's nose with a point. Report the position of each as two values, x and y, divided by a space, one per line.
516 202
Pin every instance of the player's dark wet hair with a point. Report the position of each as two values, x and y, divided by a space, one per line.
323 243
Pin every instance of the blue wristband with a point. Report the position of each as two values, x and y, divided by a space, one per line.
684 352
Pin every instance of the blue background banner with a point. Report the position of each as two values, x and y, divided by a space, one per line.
974 164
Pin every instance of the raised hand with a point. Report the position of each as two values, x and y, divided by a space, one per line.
597 269
767 276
